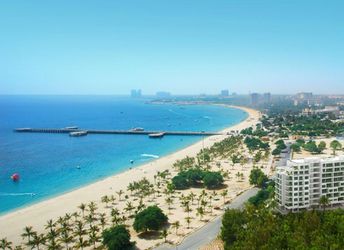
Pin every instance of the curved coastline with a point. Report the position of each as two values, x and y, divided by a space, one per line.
37 214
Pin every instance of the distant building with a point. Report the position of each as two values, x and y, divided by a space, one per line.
224 93
254 99
302 182
136 93
267 97
304 95
162 94
327 110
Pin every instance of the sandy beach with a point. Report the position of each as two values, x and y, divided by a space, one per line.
12 224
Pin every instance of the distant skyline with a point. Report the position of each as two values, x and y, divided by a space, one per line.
183 47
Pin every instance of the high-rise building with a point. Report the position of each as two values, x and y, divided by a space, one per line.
302 182
267 97
163 94
224 93
254 98
136 93
304 95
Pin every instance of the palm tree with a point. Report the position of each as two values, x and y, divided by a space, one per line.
324 201
192 197
94 237
119 193
5 244
164 234
66 238
112 199
76 216
80 229
129 207
169 201
92 207
105 199
90 219
38 240
188 221
200 212
131 188
50 225
238 175
115 219
102 220
114 211
188 209
28 233
82 207
81 243
52 242
176 225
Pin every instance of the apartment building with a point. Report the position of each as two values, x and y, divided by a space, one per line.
301 183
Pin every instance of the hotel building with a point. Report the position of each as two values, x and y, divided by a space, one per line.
301 183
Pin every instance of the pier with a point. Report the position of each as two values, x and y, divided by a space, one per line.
83 132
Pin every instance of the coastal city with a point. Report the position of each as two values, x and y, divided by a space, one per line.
172 125
285 158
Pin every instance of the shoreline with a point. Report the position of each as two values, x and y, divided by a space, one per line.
37 214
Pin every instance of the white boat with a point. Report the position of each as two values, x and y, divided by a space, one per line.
156 135
78 133
71 127
138 129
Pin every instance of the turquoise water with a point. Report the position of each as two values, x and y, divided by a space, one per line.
48 163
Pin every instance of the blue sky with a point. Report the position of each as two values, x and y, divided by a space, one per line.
190 47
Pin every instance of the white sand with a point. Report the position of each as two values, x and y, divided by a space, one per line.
12 224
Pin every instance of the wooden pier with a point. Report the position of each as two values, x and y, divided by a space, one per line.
79 132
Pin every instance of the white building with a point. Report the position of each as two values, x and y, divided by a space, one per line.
301 183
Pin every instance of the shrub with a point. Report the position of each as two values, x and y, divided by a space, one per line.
151 218
180 182
117 238
212 180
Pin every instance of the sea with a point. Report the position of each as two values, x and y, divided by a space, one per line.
52 164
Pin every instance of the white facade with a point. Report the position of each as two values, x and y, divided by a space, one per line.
301 183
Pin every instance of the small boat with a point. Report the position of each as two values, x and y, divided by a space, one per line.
78 133
15 177
71 127
156 135
22 129
138 129
131 161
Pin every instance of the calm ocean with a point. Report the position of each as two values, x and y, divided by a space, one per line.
48 163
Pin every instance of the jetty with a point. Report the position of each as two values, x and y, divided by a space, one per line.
83 132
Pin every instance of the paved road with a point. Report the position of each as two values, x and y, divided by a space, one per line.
210 231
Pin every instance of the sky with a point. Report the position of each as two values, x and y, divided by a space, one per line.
181 46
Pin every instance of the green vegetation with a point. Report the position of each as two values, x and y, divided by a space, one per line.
253 143
117 238
258 132
258 178
335 145
263 195
212 180
280 145
196 177
151 218
284 123
260 228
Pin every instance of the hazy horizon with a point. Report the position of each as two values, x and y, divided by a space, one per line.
189 48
